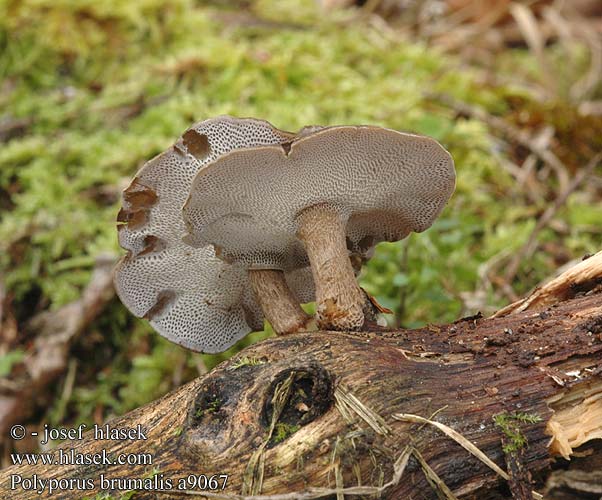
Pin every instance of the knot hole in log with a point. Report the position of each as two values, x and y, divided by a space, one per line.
233 407
310 395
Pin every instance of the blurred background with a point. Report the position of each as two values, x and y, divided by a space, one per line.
90 90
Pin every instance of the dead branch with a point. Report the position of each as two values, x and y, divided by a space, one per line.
54 333
530 245
583 276
511 132
324 409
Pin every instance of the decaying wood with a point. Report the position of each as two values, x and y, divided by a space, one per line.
330 414
584 276
574 485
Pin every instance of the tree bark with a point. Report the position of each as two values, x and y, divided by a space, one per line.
325 414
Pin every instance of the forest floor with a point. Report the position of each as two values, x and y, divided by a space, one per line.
91 90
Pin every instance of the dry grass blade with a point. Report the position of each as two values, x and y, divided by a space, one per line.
400 466
456 436
439 487
586 86
316 493
527 24
461 440
253 476
571 30
590 108
338 478
553 17
347 402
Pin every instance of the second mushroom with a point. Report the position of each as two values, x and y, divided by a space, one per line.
189 295
324 194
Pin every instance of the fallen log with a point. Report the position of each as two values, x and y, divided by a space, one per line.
436 412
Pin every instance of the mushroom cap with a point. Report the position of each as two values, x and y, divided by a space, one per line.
189 295
384 184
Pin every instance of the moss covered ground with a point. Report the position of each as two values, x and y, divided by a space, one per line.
91 90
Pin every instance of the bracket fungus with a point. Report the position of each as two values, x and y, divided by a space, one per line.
316 199
189 295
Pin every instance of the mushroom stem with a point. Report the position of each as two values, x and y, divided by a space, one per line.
280 307
339 299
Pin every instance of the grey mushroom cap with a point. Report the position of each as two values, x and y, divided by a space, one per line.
384 184
189 295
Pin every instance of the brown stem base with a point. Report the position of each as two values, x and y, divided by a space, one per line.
280 307
339 299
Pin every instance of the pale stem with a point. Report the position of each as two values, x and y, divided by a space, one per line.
280 307
339 299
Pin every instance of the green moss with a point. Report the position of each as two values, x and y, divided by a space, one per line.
101 87
246 361
210 407
510 425
283 431
8 360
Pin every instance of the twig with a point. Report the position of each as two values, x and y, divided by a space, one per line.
581 277
529 247
67 390
55 331
526 177
2 298
517 135
13 127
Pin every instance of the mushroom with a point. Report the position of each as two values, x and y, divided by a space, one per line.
190 295
324 194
